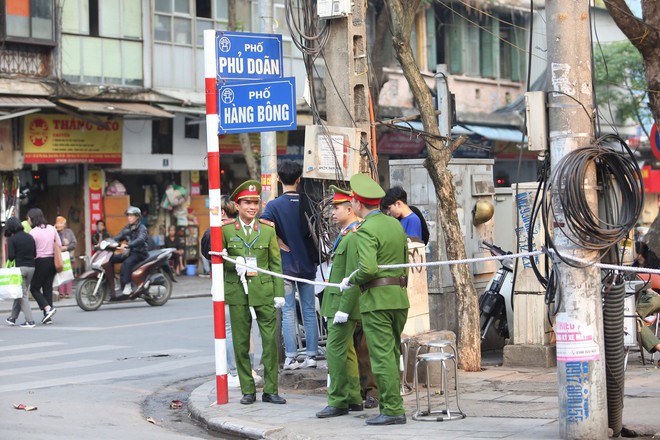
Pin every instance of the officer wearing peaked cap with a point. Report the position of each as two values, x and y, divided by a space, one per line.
384 301
256 242
342 311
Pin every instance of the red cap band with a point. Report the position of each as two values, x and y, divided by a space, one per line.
365 200
246 194
340 198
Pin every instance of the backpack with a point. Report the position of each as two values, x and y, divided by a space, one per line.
425 228
308 218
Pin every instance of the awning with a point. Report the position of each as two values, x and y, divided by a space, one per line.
134 109
15 106
188 110
497 133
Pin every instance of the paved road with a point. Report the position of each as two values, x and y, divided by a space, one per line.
90 372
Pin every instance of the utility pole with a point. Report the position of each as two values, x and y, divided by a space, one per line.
579 324
346 81
268 139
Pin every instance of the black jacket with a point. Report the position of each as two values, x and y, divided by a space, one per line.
137 238
21 247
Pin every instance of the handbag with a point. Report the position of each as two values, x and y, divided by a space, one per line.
57 257
11 281
66 274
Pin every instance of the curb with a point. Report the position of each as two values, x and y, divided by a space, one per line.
34 306
198 403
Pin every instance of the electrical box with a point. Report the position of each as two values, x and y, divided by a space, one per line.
333 8
537 121
331 153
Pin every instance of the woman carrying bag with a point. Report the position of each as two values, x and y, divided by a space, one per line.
21 250
47 241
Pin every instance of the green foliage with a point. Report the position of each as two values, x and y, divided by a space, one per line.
621 81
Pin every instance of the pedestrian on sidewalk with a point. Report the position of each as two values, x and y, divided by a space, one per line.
22 250
69 243
248 291
46 240
343 312
287 211
384 301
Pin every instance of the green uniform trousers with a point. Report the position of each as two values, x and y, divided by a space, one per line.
648 304
383 330
241 323
344 388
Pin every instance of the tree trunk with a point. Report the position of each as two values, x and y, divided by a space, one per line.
644 35
243 138
439 154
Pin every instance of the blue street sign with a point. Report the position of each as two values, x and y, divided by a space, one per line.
242 55
257 106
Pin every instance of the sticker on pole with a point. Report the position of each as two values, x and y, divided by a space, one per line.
575 340
243 55
257 106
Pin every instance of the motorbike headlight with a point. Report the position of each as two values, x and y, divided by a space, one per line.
508 263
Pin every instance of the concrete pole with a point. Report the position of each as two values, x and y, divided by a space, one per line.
579 323
346 81
268 139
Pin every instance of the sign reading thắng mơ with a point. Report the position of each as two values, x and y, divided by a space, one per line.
67 139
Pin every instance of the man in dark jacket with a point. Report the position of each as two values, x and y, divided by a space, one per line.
136 237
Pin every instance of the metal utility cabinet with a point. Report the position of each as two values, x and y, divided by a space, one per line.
473 181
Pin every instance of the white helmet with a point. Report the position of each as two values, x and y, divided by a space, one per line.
133 210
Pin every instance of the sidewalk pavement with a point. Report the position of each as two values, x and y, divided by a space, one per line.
500 402
185 287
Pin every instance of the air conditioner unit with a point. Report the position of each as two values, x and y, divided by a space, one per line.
333 8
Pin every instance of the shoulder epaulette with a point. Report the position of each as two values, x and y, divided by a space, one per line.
267 222
355 228
228 221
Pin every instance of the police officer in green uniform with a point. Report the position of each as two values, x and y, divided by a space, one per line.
249 292
384 301
342 311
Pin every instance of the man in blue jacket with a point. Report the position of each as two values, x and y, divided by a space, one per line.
297 261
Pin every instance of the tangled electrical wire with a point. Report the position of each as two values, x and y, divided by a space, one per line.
621 197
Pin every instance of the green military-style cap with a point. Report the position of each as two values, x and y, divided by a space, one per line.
366 190
340 195
250 189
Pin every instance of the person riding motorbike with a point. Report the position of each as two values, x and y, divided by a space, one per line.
135 249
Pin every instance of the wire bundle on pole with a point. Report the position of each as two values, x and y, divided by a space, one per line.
619 177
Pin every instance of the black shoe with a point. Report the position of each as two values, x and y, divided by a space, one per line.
248 399
331 411
355 407
273 398
387 420
370 402
48 315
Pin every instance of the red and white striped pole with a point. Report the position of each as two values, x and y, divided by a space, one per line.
215 213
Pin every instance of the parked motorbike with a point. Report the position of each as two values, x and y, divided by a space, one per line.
495 303
151 280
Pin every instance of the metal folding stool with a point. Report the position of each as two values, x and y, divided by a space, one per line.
406 387
442 414
440 344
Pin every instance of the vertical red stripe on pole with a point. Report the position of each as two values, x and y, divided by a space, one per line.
219 319
216 237
211 96
222 389
214 170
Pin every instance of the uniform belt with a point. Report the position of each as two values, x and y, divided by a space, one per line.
378 282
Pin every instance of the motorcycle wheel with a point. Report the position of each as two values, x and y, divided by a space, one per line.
159 294
85 297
